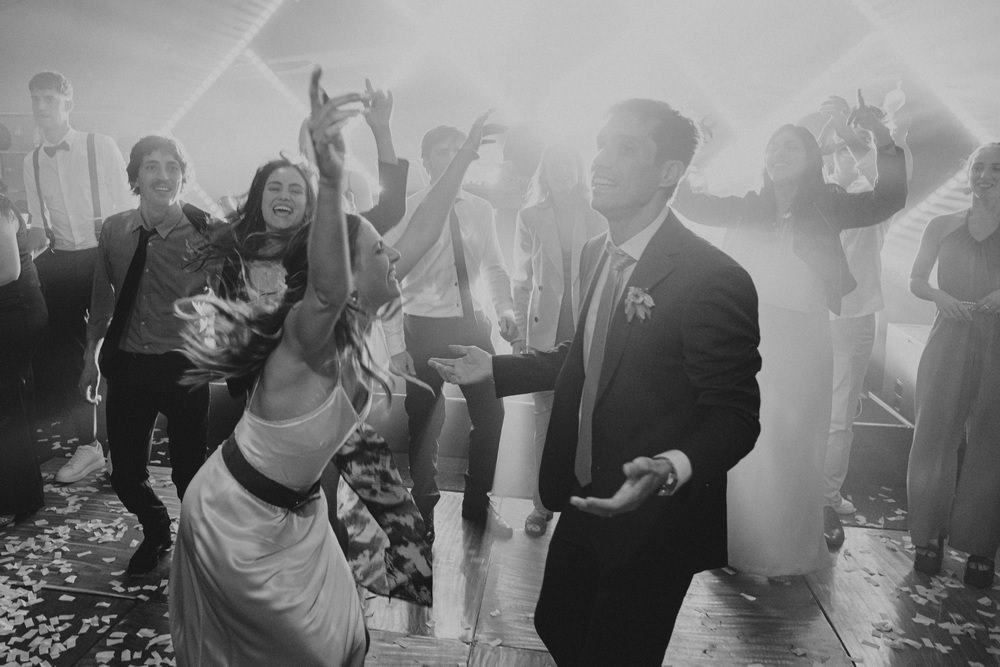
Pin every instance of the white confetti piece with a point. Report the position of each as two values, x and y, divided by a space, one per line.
749 597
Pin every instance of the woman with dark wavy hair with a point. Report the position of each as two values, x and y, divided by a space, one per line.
257 576
787 236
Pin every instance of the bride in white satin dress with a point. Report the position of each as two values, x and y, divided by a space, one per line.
257 576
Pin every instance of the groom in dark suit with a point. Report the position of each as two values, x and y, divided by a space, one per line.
655 399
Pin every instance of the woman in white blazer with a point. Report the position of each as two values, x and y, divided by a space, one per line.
551 231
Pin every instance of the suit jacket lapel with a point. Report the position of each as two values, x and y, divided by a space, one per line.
653 267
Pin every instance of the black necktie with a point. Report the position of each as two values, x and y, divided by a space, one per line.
52 150
123 305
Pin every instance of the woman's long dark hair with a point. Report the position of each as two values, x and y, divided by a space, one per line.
231 340
246 238
813 187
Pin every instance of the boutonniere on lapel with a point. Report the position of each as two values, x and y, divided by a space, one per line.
638 303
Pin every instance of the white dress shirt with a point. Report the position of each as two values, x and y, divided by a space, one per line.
863 249
431 287
65 181
634 248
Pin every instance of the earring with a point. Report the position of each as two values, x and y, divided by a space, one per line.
354 298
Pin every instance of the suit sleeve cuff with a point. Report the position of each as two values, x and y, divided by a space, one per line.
682 464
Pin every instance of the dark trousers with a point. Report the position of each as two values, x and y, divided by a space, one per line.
21 323
145 385
67 278
428 337
596 609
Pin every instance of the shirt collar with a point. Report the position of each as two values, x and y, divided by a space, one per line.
70 138
635 246
165 226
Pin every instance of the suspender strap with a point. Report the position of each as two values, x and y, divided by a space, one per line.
41 200
95 193
465 295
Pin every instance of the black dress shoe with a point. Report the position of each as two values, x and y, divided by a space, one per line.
147 556
979 571
489 520
833 530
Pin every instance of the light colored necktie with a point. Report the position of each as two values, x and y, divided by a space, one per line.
619 261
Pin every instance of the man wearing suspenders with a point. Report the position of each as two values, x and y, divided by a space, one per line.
72 181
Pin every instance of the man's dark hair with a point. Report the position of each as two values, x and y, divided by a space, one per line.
436 136
676 136
147 145
51 80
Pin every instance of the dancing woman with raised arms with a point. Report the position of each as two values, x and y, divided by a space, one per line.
257 575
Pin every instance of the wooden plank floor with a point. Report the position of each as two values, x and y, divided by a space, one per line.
65 600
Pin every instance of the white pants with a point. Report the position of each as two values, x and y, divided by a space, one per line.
853 340
543 410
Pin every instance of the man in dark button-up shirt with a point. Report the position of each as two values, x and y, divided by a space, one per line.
142 364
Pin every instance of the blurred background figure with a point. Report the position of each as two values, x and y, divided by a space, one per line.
958 383
72 181
549 236
441 309
787 236
22 320
850 159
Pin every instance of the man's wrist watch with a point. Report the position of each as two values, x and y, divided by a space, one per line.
669 485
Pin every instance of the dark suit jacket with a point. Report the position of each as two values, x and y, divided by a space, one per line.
685 378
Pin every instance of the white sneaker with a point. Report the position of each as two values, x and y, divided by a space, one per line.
843 506
85 460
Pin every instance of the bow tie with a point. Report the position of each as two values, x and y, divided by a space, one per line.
52 150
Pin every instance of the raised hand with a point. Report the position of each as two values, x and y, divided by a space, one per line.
475 137
872 119
379 106
326 120
836 108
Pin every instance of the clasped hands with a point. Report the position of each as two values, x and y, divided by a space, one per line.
955 309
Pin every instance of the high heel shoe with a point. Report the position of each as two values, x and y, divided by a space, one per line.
979 571
928 559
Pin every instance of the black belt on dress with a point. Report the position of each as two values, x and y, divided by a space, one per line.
261 486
